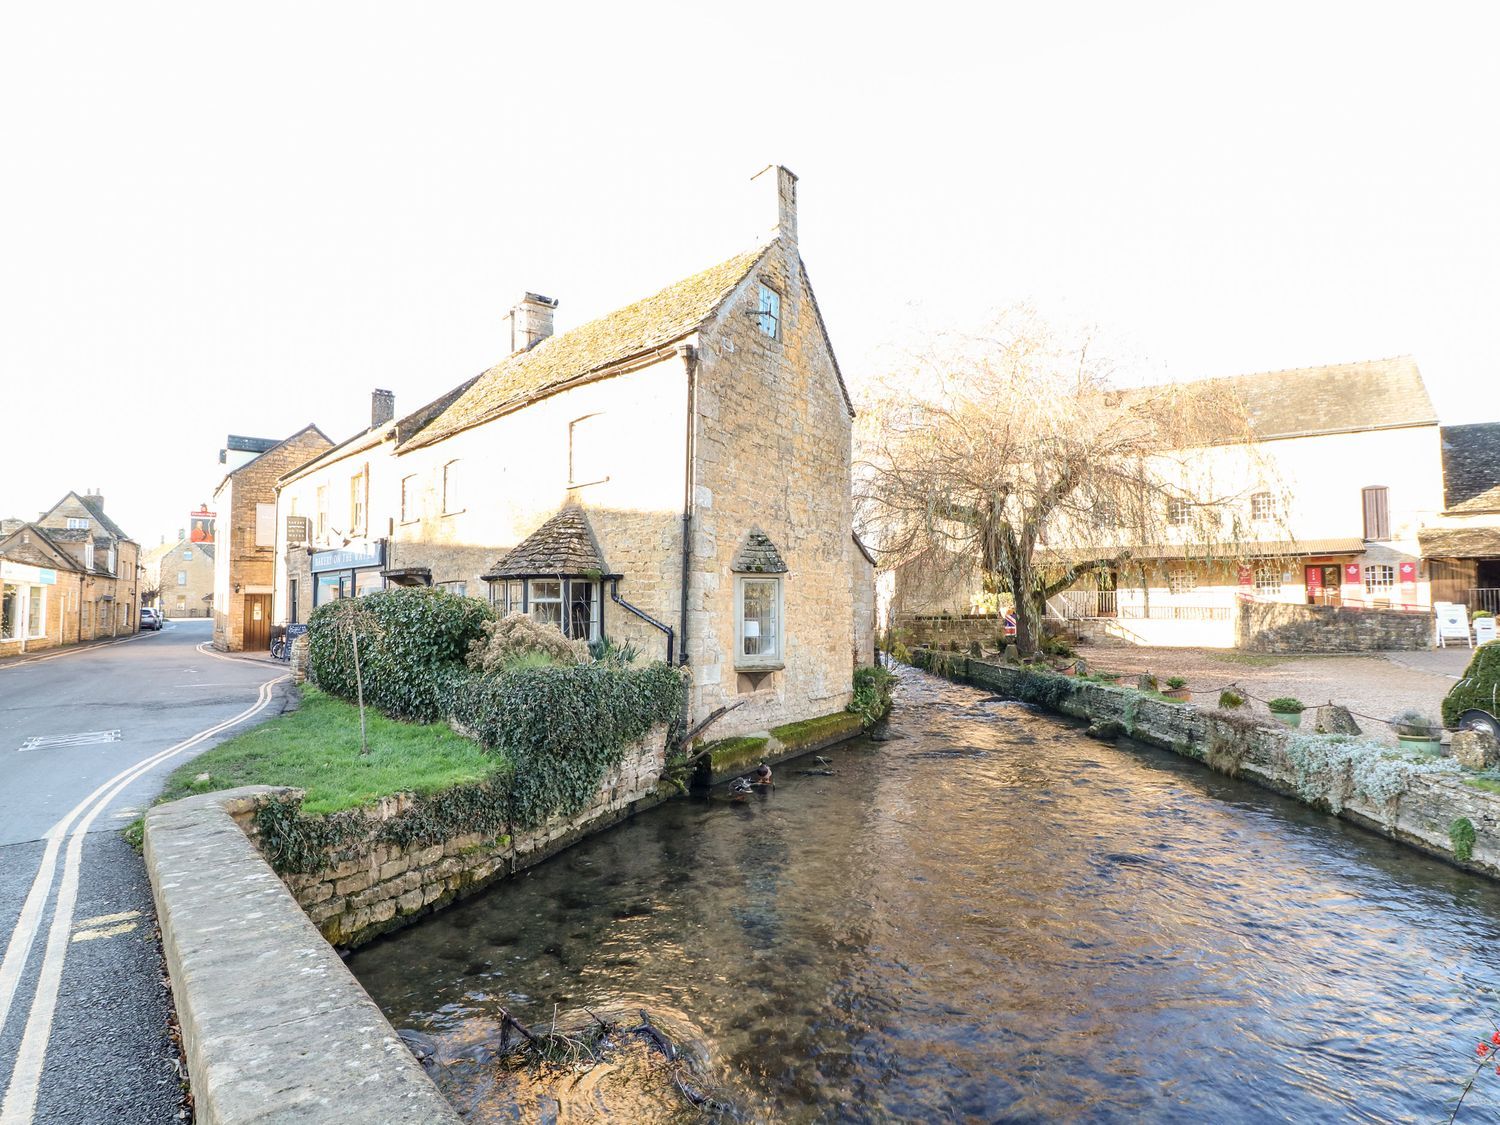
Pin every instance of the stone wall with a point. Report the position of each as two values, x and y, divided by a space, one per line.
1275 627
1420 817
369 888
941 630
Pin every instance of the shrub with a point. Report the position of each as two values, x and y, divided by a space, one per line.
1286 705
1412 723
1461 833
563 728
409 656
1331 768
1175 682
518 633
1229 699
614 652
1479 689
1478 613
872 693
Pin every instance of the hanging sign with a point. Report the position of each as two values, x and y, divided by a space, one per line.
1315 580
1408 575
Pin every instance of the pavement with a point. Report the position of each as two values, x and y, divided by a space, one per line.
1374 685
87 736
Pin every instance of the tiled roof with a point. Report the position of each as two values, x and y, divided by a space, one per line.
309 428
70 534
1460 542
634 330
41 550
564 546
96 509
1471 461
1341 397
1486 501
758 555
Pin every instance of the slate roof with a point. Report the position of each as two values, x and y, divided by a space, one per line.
758 555
1471 461
290 437
42 551
564 546
634 330
96 509
1373 394
1460 542
1486 501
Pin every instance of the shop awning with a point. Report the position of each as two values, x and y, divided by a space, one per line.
1460 542
409 575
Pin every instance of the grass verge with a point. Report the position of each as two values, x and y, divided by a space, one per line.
316 748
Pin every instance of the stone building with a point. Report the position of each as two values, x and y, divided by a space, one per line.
87 581
675 475
182 573
245 541
1463 541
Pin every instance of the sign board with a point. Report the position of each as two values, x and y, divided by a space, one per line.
25 574
1484 630
1352 575
347 560
1453 623
1247 576
296 629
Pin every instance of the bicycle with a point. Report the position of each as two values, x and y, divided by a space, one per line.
281 648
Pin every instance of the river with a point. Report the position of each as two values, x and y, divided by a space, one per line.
990 917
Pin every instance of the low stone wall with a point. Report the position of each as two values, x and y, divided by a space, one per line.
1421 816
939 630
274 1027
1282 628
367 888
731 757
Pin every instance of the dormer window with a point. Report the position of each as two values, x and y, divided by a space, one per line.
88 556
769 316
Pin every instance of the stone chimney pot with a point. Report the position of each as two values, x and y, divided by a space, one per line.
531 321
382 407
781 185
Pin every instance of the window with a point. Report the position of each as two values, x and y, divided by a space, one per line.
10 613
769 312
451 498
187 555
515 594
357 487
322 513
583 610
1377 512
1181 582
76 524
1179 511
758 621
585 460
1262 506
182 578
291 599
546 601
459 588
181 605
1380 578
38 612
1267 580
408 499
88 556
112 559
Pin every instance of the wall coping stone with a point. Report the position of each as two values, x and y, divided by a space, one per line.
274 1026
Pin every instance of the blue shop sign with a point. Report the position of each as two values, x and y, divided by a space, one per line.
347 560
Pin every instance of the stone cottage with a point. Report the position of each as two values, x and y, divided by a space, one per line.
675 475
182 573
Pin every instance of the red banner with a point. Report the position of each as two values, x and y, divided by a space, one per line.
1352 574
1315 580
1247 576
1408 574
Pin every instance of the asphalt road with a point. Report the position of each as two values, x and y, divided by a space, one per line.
86 738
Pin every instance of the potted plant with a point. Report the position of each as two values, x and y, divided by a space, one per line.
1176 689
1418 731
1231 700
1286 710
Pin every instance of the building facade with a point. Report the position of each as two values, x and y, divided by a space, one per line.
1462 544
245 541
674 475
182 574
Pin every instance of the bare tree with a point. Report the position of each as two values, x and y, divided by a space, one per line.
1013 454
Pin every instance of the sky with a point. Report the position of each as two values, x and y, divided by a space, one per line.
223 219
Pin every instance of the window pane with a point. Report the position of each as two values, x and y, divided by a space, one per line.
759 626
582 612
38 617
770 310
10 612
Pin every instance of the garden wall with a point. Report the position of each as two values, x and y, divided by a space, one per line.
362 887
1421 816
938 630
1275 627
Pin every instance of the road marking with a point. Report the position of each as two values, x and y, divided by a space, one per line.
24 661
19 1106
87 738
106 919
108 931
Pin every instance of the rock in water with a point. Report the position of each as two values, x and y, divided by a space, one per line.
1475 749
1105 730
422 1047
1333 719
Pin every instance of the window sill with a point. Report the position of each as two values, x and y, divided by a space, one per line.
409 523
455 512
773 666
585 483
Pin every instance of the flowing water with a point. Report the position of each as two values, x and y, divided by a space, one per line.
989 917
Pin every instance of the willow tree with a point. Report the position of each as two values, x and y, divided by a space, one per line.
1013 454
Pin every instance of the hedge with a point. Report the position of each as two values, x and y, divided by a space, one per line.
1480 687
412 645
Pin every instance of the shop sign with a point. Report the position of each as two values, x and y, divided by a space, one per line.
1353 576
347 560
23 574
1408 575
1314 579
1247 576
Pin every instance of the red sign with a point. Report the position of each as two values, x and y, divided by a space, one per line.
1352 574
1247 576
1408 574
1315 580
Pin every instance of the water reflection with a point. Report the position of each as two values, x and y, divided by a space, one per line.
989 917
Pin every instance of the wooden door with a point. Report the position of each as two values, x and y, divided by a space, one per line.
257 622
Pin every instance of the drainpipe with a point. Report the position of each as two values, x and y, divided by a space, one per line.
689 356
614 596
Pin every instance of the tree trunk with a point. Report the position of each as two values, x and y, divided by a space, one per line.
359 691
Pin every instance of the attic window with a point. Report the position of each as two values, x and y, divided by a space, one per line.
769 312
77 524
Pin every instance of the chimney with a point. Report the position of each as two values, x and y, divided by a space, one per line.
10 526
780 185
382 407
531 321
96 496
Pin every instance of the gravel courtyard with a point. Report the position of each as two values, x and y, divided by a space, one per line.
1378 684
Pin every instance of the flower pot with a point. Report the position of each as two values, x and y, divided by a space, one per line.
1288 718
1177 694
1427 744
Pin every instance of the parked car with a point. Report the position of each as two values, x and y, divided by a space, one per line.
150 618
1474 702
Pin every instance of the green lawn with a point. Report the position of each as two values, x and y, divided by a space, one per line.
316 748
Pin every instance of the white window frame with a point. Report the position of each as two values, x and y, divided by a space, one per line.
1268 579
1263 507
88 556
322 502
188 555
1181 582
768 311
77 523
1387 583
761 660
37 622
457 586
1179 512
408 498
533 600
451 495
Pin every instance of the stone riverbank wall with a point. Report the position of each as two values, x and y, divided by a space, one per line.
1421 815
1284 628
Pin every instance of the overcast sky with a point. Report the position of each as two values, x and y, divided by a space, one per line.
224 220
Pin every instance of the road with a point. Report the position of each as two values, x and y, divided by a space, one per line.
86 738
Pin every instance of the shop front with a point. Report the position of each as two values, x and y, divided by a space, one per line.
348 573
24 595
